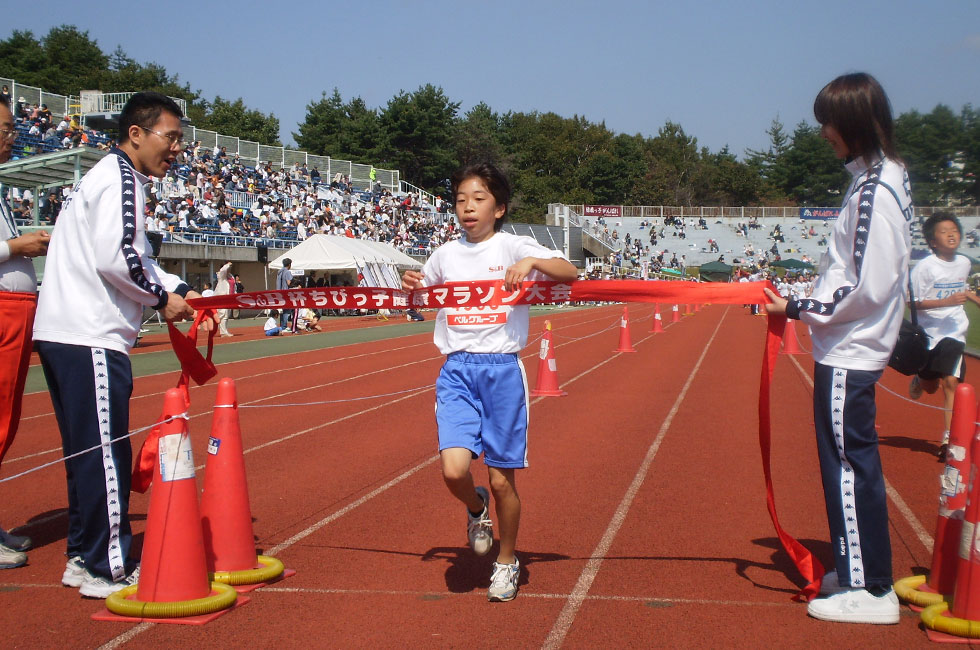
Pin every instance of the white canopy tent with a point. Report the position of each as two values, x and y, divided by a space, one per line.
379 264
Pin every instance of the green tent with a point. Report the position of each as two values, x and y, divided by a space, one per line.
793 264
716 272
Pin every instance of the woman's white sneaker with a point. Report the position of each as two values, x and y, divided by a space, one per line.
856 606
94 586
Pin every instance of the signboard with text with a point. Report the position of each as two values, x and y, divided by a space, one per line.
611 211
819 213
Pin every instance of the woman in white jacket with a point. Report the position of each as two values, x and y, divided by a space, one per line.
854 313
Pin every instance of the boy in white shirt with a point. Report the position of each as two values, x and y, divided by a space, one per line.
482 346
939 285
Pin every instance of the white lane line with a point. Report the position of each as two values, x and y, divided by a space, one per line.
341 380
282 357
10 586
395 481
910 518
478 594
567 616
125 637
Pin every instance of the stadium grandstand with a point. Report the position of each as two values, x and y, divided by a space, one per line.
227 199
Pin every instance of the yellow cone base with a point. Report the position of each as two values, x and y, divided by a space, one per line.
942 627
269 570
914 592
121 606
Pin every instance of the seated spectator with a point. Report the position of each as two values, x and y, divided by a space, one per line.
271 326
308 321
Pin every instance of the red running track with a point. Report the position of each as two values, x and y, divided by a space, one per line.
644 519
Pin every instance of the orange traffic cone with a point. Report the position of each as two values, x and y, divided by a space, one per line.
547 383
173 570
964 619
657 325
916 590
697 307
687 309
790 342
675 317
226 519
624 333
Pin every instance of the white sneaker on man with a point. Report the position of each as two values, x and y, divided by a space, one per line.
11 558
503 582
856 606
16 542
74 572
94 586
479 529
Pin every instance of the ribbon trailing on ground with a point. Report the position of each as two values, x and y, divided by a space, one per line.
192 366
492 293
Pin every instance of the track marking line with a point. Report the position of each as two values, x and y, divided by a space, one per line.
289 369
469 594
480 594
334 382
578 596
892 493
126 637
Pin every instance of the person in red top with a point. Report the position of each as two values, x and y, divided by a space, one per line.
18 302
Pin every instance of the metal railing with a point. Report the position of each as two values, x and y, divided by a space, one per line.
250 153
408 188
740 212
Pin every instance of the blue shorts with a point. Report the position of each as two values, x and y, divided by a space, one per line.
481 405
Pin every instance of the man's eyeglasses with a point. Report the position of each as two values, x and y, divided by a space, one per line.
9 134
175 140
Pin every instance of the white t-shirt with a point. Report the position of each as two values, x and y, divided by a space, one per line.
270 324
485 330
935 279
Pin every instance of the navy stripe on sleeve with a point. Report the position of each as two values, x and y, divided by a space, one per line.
133 260
863 229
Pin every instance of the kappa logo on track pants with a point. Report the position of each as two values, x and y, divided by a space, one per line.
850 466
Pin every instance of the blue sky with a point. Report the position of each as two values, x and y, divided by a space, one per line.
722 70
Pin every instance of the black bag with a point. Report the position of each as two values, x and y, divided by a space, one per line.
912 348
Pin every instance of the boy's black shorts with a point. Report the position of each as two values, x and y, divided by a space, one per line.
945 360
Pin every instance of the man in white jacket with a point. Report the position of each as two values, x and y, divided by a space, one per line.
98 278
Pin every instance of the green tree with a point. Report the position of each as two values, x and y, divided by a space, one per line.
929 144
416 136
234 118
318 133
730 182
814 176
971 153
64 61
672 161
477 137
349 131
770 164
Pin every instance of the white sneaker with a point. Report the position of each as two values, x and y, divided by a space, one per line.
503 582
94 586
829 585
915 388
16 542
74 572
856 606
479 530
11 558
